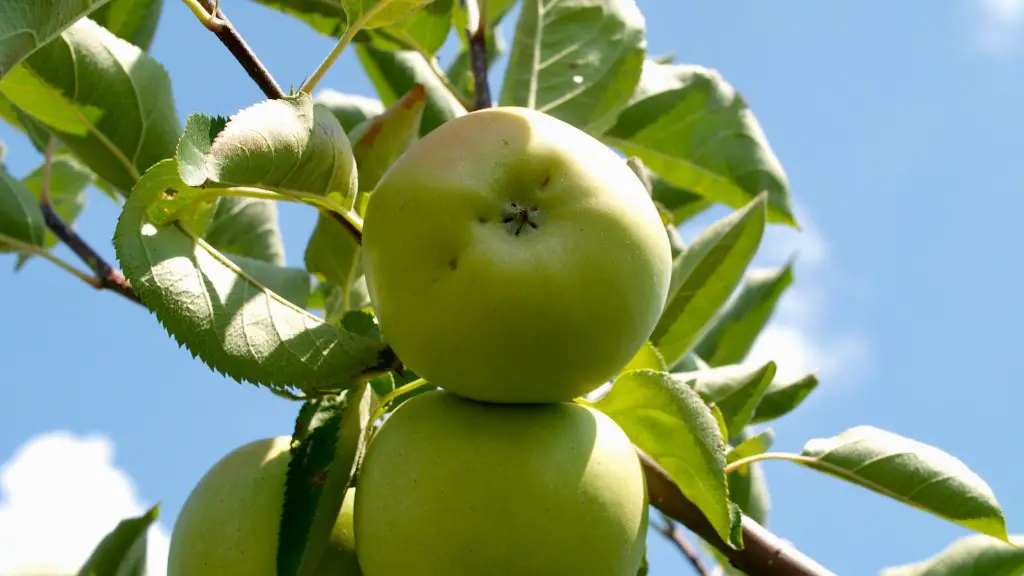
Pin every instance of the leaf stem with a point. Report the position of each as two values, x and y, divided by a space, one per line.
737 464
386 401
34 250
670 531
346 38
213 18
763 553
436 69
476 31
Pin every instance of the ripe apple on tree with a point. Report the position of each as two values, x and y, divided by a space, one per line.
511 257
454 487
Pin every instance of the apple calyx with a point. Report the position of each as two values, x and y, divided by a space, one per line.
519 217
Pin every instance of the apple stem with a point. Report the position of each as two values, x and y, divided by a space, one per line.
476 32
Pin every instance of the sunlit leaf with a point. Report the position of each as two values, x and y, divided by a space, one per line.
382 140
781 398
367 14
698 134
704 277
750 445
910 472
133 20
27 25
578 60
221 315
736 390
424 31
106 100
974 555
666 419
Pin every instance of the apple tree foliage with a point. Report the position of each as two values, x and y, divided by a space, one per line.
198 244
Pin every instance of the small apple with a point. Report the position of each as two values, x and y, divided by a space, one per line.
454 487
229 523
513 258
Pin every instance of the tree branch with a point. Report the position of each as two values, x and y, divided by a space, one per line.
670 531
219 24
106 277
763 553
476 32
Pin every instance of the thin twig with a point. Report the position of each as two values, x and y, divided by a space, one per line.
476 32
763 553
106 277
215 21
33 250
669 530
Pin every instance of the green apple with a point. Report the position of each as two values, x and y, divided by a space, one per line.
229 523
512 258
454 487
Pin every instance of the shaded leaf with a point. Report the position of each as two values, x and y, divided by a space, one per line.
325 16
35 130
350 109
424 31
736 390
122 552
222 316
68 183
578 60
20 215
666 419
332 255
781 398
682 205
690 363
103 98
695 131
738 324
247 227
750 445
367 14
704 277
394 73
328 439
283 145
382 140
910 472
26 26
974 555
133 20
292 284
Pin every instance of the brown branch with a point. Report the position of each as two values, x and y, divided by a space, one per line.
671 532
477 34
225 31
763 553
106 277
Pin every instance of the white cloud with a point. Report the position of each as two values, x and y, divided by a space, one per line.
998 24
61 494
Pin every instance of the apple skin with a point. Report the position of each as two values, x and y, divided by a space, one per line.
229 523
502 311
454 487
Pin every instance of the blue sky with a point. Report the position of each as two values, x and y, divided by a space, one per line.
898 128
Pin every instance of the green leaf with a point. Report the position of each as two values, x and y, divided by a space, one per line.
350 109
690 363
133 20
781 398
232 323
682 205
328 439
910 472
736 390
748 489
35 130
69 181
578 61
285 145
20 215
973 555
750 445
366 14
735 329
705 275
388 136
106 100
394 73
122 552
325 16
648 358
424 31
333 255
292 284
25 26
666 419
246 227
698 133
